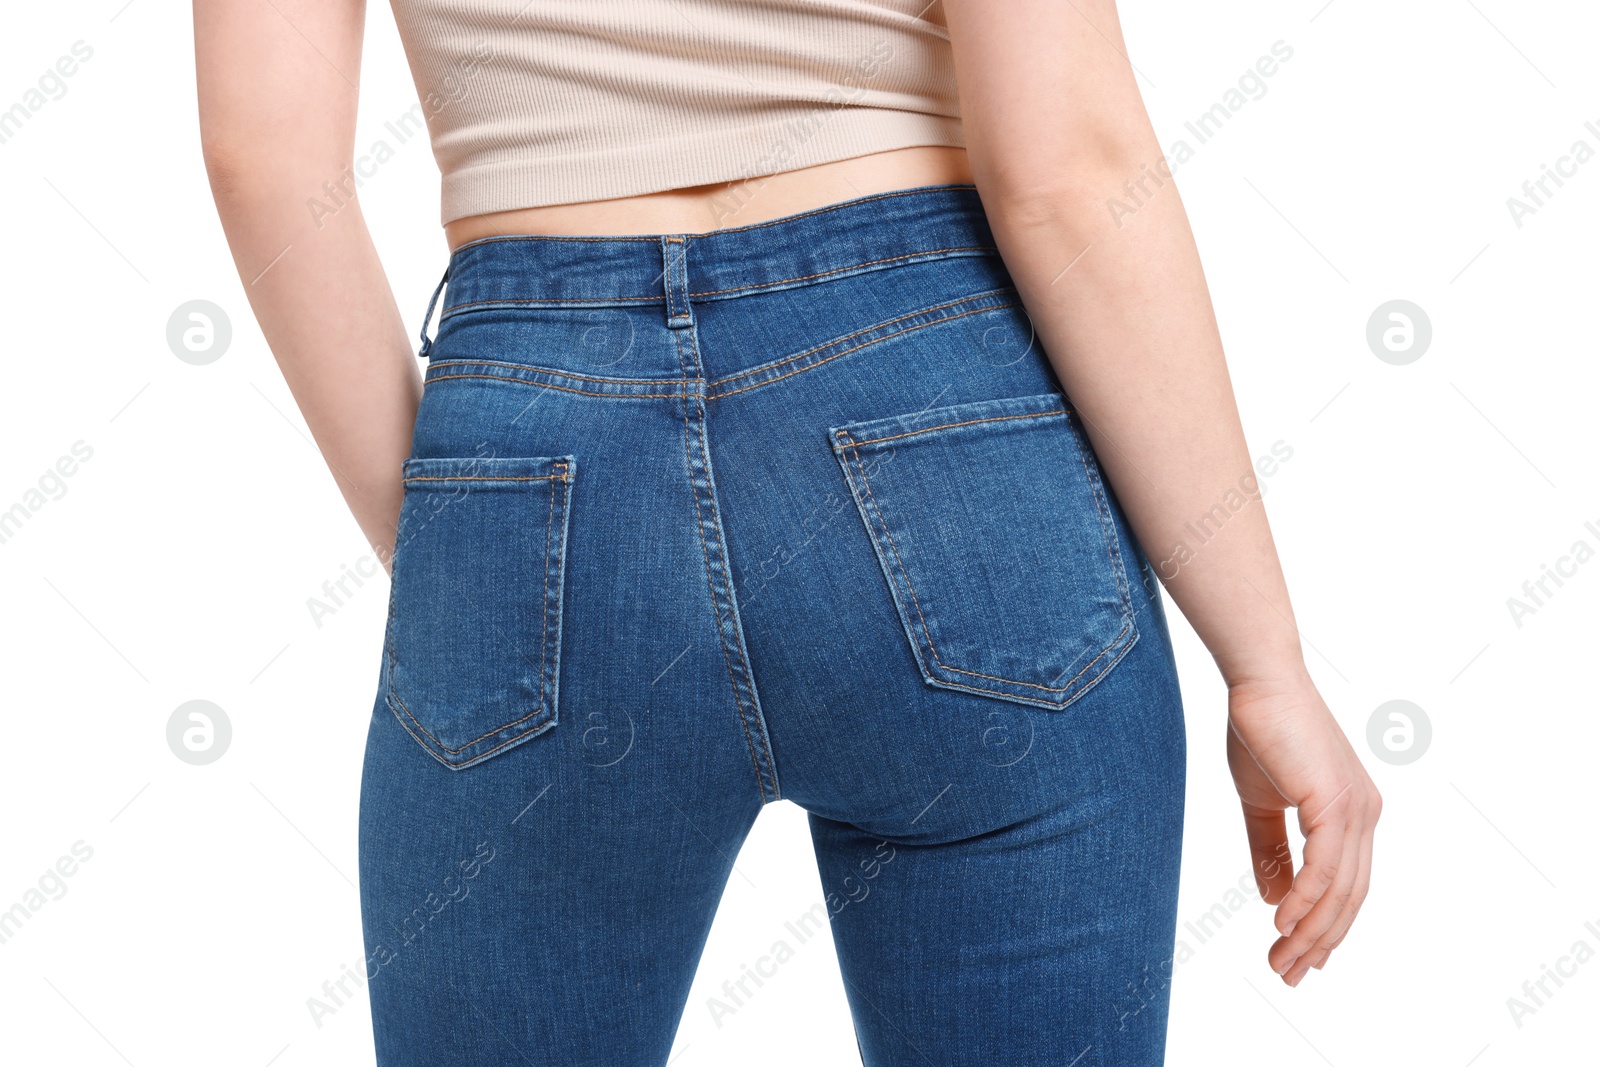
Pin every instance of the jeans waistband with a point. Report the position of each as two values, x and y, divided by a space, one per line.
866 233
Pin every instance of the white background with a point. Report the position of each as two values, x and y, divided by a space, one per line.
1419 498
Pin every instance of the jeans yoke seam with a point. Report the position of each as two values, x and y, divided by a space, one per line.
864 330
501 300
549 385
841 270
443 363
852 348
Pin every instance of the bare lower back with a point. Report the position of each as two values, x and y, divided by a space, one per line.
700 208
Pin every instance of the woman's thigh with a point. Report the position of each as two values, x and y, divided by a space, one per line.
548 907
1022 915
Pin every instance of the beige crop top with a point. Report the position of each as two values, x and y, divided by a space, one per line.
535 102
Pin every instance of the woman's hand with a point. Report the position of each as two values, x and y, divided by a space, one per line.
1286 751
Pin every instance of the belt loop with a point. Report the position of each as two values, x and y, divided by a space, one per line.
427 342
675 280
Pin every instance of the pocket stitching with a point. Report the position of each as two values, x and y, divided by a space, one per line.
1100 505
923 630
949 425
465 745
481 478
560 475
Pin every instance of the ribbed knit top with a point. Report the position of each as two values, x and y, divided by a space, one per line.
535 102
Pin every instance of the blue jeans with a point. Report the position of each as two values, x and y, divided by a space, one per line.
792 511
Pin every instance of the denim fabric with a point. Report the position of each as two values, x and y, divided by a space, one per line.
694 523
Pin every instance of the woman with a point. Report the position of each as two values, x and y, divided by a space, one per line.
790 431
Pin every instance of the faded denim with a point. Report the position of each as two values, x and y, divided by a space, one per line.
798 510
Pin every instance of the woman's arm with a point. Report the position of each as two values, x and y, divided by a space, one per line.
277 89
1055 126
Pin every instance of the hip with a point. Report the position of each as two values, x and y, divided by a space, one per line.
826 452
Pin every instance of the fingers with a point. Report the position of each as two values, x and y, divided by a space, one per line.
1269 852
1304 945
1341 925
1323 856
1335 890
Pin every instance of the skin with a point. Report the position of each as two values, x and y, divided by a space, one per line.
699 208
1054 126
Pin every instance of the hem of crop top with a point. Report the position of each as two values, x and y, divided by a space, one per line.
715 156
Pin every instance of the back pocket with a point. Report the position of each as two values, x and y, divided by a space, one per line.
474 636
996 536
